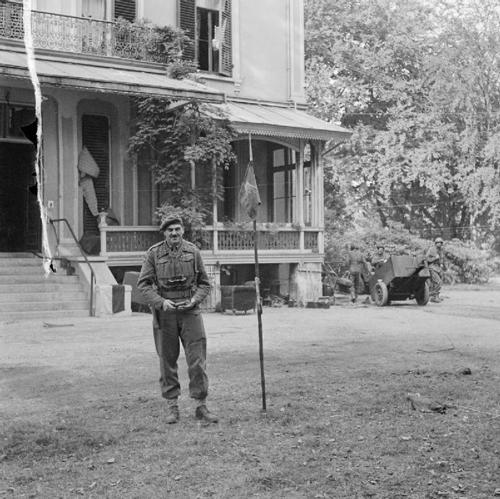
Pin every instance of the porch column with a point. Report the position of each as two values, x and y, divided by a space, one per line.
299 193
69 191
102 224
314 185
321 194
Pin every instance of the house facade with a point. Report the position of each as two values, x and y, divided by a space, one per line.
90 69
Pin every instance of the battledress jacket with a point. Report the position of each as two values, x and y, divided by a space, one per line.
174 274
435 257
356 261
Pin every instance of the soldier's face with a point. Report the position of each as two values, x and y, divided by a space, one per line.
173 233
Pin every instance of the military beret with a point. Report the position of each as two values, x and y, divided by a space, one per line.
170 220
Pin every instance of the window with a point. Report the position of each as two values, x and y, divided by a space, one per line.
206 45
208 24
12 118
126 9
284 178
308 186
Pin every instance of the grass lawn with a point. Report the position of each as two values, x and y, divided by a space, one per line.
337 426
327 433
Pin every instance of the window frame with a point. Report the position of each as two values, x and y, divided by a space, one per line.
213 55
188 20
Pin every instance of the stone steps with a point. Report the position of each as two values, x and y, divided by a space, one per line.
14 278
43 306
25 262
22 269
27 293
48 295
41 287
18 255
47 315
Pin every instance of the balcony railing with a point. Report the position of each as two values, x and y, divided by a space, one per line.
79 34
120 240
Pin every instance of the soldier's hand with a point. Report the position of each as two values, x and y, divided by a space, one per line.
168 305
187 305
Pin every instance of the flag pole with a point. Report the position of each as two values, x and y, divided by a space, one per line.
257 292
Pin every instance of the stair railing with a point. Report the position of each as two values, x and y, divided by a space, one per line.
92 273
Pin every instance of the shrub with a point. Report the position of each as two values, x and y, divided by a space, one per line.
466 263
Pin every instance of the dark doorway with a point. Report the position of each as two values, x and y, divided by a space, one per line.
20 224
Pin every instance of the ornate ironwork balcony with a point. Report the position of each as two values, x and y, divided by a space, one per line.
79 34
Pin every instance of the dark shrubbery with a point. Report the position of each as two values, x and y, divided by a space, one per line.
465 262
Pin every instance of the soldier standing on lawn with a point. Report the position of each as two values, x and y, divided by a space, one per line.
174 282
435 261
356 262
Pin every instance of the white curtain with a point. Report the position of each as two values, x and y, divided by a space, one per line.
96 9
209 4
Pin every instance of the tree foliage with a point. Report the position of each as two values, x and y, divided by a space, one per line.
464 261
419 84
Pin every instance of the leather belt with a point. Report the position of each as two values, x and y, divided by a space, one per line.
174 294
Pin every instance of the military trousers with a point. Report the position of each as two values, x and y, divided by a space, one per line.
356 283
170 329
436 280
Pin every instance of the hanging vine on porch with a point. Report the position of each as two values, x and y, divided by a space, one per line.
171 138
174 138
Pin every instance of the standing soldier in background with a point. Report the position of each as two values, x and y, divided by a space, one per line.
356 262
435 261
174 282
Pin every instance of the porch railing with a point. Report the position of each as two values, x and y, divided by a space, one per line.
117 239
79 35
230 240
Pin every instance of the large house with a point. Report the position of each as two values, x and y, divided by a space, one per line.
250 57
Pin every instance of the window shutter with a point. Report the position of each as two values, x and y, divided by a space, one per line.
95 136
187 22
125 9
226 52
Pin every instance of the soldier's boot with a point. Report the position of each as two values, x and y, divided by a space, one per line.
205 415
172 412
435 299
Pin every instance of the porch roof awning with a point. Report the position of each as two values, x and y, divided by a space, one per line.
82 74
278 121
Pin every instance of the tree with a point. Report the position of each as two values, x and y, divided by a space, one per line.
410 81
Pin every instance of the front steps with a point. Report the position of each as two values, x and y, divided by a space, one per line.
26 293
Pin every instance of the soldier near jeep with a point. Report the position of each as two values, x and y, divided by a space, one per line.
174 282
379 257
435 261
357 264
